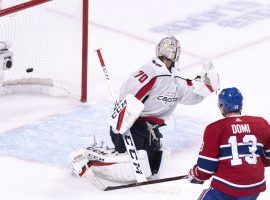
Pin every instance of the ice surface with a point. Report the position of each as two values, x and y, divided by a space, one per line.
38 132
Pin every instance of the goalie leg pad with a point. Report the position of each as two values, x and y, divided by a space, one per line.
121 171
79 162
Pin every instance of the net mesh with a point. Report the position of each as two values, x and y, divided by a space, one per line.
46 38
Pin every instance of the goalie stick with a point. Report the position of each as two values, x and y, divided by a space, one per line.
145 183
108 80
127 137
106 186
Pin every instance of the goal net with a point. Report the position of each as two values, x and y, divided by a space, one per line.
48 40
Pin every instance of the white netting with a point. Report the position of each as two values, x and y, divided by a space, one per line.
9 3
48 39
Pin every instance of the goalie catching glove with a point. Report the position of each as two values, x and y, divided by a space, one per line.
208 82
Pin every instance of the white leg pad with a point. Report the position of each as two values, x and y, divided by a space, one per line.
123 171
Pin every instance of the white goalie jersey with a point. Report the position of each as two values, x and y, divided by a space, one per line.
159 89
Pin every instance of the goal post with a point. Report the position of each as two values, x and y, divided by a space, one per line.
51 39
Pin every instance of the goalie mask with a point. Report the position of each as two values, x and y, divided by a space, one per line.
169 47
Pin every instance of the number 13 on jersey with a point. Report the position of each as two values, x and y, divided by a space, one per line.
251 157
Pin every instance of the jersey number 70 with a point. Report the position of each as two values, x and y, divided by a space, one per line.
141 76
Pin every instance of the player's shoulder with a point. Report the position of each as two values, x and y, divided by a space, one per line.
255 119
216 124
154 67
238 119
221 123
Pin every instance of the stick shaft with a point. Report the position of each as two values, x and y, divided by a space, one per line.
127 137
108 80
146 183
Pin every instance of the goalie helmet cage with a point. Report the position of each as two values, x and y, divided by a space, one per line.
49 40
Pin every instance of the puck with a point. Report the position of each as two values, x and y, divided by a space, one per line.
28 70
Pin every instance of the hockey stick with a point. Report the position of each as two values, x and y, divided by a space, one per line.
127 137
146 183
108 80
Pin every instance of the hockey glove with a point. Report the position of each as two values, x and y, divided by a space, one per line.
193 175
209 81
126 113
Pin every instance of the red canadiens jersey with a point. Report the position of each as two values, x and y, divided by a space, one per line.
159 89
233 153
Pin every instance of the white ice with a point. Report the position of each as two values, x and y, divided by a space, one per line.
38 132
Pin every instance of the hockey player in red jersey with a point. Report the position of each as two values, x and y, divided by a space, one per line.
159 87
232 152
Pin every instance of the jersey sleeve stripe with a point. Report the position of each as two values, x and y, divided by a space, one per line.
225 158
205 171
145 89
208 165
208 158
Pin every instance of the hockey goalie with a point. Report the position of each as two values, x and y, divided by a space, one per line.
147 98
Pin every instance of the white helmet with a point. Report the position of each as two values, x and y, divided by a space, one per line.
169 47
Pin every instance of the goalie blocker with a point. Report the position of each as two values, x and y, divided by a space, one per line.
125 114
